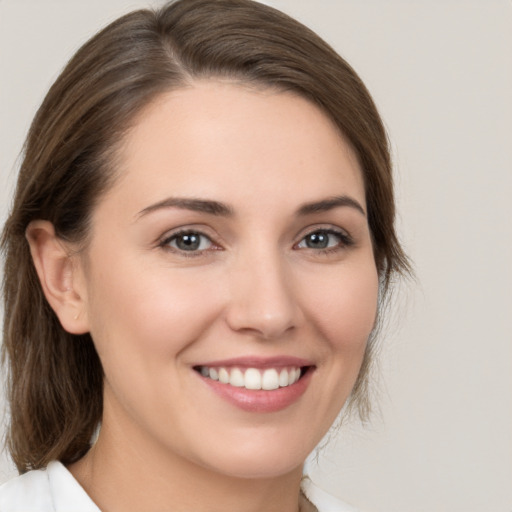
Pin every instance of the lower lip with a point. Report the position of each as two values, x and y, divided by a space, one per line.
261 400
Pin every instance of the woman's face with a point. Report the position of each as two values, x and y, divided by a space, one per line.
233 246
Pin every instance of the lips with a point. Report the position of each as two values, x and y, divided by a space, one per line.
258 385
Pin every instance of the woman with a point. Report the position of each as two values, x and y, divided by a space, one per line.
202 234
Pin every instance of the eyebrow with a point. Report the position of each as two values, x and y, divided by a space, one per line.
223 210
196 205
329 204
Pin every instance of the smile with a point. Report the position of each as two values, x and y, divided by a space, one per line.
267 379
258 385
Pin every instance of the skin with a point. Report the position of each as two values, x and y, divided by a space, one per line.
254 288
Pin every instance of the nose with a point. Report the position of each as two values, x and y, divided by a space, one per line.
263 301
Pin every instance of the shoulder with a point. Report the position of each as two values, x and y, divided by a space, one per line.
28 492
322 500
53 489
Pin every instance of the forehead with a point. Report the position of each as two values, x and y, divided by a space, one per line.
233 142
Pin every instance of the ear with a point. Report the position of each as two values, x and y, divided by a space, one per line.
58 270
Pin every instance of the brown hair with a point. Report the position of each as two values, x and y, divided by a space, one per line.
55 378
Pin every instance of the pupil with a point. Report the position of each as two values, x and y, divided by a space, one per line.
317 241
188 242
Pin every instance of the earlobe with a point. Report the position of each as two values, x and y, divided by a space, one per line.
56 268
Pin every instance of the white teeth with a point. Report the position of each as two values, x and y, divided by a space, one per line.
270 379
237 378
253 378
283 378
223 376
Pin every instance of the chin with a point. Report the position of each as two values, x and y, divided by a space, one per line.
268 458
255 468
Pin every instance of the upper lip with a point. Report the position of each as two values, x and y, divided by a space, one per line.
259 362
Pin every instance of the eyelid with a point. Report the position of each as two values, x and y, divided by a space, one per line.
346 240
329 228
164 241
200 236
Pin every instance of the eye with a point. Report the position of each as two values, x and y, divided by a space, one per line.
188 241
323 239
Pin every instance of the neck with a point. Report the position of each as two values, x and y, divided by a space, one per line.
120 475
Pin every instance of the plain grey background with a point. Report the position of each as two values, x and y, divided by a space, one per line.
441 74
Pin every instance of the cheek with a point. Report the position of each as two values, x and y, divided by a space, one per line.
150 312
345 307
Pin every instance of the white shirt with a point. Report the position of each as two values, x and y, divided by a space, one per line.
54 489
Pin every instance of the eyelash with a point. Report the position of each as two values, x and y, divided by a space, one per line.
165 243
346 241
